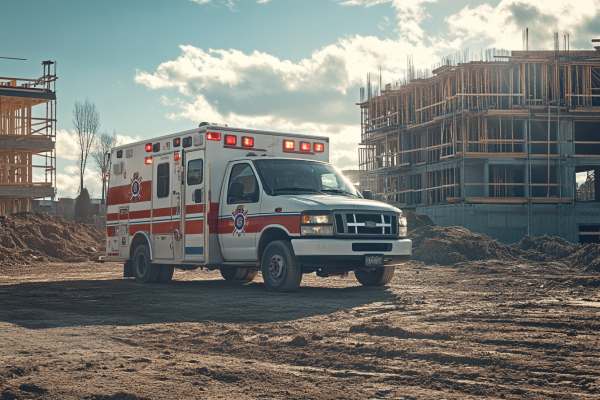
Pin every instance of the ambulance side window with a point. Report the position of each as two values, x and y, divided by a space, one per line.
243 186
162 180
194 172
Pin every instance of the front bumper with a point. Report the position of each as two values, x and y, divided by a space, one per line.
350 252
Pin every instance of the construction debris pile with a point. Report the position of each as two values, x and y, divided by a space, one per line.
26 238
453 244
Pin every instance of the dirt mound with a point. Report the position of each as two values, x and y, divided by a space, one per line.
416 221
587 257
27 237
545 248
453 244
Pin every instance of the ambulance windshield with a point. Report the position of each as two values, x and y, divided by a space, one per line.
288 176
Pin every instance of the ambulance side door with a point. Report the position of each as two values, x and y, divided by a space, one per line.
162 224
239 213
194 205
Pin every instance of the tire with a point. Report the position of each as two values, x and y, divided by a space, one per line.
239 274
378 277
144 270
165 274
279 267
128 270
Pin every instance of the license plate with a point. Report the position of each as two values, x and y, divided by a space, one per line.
373 260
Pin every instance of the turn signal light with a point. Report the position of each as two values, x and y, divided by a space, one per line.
305 147
176 156
230 140
289 145
148 160
213 136
319 147
248 141
148 147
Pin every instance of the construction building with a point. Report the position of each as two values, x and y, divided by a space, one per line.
27 140
508 145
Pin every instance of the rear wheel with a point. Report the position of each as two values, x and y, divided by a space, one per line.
165 274
238 274
279 267
377 277
144 270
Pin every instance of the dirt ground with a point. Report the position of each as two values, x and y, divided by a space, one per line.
474 330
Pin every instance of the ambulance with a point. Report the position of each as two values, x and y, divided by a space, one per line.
243 201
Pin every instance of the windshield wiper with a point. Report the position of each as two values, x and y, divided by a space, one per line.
295 189
338 191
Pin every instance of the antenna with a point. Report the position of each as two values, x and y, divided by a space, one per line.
13 58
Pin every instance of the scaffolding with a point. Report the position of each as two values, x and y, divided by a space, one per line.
500 131
27 139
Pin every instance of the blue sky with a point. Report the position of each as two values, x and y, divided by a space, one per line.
154 67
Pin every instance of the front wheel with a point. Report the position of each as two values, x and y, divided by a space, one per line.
279 267
377 277
242 275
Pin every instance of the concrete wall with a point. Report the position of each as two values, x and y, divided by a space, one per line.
509 223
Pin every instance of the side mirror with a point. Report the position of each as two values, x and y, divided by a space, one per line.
197 196
367 194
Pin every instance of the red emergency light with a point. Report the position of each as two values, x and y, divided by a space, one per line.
148 160
148 147
230 140
216 136
289 146
305 147
318 147
176 156
248 141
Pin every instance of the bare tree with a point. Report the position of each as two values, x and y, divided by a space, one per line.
103 146
86 122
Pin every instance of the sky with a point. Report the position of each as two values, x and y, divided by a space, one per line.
154 67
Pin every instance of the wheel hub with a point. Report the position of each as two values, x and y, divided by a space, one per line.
276 266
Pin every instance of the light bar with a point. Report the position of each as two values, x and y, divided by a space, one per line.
230 140
148 147
248 141
216 136
318 147
148 160
289 145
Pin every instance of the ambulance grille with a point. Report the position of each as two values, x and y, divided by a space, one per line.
366 224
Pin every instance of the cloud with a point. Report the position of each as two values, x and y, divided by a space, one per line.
317 93
501 26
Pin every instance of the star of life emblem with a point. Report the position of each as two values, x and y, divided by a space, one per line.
240 221
136 187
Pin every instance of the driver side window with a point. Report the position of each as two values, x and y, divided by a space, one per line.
243 186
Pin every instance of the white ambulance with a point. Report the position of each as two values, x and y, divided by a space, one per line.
240 201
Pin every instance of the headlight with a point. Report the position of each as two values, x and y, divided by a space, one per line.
311 219
316 230
316 225
402 226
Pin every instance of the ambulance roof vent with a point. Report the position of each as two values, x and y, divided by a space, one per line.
251 154
203 123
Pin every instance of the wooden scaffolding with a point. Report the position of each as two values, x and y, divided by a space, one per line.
27 140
